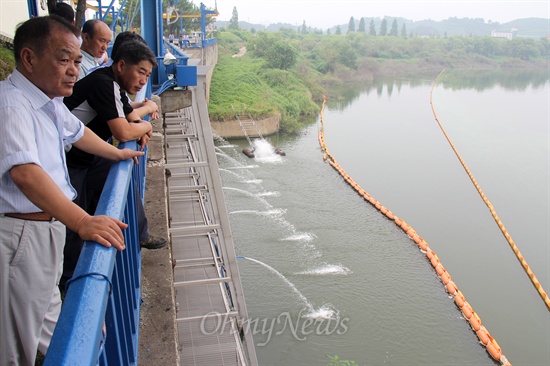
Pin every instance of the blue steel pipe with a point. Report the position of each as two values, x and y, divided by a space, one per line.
152 30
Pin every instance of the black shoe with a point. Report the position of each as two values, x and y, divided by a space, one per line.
153 242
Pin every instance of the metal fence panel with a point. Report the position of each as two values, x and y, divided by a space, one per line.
99 319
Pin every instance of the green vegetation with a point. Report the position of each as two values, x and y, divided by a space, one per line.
7 61
266 85
288 72
336 361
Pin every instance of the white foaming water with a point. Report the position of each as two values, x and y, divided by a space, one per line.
301 237
276 214
327 269
290 284
243 167
239 177
269 194
249 194
268 213
324 312
229 158
264 152
253 181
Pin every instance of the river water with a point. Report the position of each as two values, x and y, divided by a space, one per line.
329 275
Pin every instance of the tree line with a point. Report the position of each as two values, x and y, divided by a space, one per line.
282 71
394 31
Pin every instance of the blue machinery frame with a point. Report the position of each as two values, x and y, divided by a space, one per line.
152 31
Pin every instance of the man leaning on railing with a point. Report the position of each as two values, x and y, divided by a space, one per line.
100 100
35 193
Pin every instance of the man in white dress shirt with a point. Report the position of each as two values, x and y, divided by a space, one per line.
96 36
35 191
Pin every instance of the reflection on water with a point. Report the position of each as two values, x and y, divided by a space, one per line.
502 134
479 80
337 250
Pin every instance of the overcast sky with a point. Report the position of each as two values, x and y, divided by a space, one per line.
327 13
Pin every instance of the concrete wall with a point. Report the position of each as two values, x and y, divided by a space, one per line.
173 100
207 56
232 129
13 12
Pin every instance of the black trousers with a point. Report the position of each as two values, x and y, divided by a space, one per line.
89 183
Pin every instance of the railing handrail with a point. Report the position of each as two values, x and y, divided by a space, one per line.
99 318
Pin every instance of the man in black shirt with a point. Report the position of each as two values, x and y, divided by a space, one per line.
99 100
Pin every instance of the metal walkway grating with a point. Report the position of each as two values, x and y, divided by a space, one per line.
209 298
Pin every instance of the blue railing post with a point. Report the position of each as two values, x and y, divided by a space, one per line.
99 320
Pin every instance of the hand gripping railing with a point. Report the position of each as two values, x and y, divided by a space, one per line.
99 320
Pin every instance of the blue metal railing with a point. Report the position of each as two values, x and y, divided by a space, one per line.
99 321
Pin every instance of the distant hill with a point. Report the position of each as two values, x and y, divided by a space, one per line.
531 27
469 27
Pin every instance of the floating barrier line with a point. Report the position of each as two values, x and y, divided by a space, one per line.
470 315
513 245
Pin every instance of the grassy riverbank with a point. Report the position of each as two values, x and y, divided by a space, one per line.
289 72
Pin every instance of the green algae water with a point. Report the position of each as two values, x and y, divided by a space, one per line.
330 275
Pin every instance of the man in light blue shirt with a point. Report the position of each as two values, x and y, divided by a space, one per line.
96 36
35 191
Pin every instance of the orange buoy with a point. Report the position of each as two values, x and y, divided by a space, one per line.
430 253
483 335
398 221
495 344
435 260
325 157
415 238
423 245
411 232
440 269
467 310
475 322
494 352
390 215
459 299
451 286
445 277
383 210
